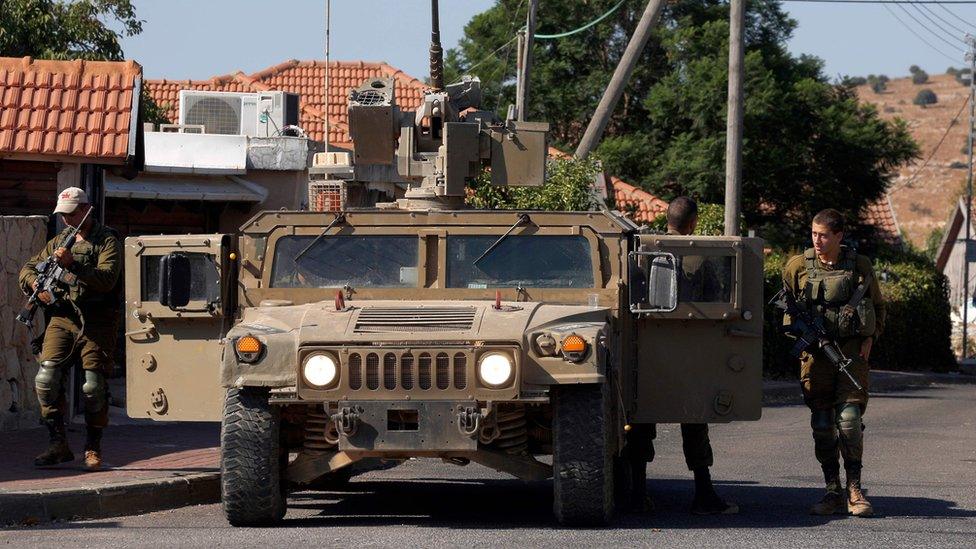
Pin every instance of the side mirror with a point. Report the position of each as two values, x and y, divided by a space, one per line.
653 281
174 280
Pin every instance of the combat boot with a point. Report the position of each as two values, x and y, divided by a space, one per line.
93 449
707 501
857 504
833 501
58 451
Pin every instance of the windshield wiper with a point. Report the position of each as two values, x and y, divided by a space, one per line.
522 218
339 218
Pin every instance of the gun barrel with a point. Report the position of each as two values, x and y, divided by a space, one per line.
436 52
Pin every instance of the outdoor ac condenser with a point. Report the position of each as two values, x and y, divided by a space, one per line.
263 114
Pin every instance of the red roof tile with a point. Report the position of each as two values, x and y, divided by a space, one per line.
306 78
881 216
67 108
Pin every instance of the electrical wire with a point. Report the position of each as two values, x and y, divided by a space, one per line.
937 146
580 29
932 32
940 27
940 18
917 35
940 2
950 12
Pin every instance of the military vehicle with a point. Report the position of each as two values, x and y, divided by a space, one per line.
423 329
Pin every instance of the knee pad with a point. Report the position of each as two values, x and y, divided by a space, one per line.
47 382
93 391
849 417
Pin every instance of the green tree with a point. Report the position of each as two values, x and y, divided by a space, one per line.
568 187
78 29
808 144
925 97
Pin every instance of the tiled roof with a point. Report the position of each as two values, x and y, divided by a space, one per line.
306 78
64 109
639 205
880 215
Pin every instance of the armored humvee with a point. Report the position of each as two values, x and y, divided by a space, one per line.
422 329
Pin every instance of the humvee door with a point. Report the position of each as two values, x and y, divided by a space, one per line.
699 315
173 354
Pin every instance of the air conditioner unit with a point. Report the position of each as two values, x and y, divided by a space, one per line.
263 114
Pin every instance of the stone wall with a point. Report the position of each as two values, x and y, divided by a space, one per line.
20 238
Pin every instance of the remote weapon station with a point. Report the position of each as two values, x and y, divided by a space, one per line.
326 342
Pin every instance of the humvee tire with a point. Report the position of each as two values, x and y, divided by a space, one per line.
251 486
582 459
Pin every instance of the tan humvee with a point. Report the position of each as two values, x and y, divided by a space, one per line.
322 340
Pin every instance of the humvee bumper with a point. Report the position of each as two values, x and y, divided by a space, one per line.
417 425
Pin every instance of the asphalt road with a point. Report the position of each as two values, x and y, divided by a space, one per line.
920 471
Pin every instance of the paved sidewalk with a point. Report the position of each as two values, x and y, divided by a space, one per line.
148 466
152 466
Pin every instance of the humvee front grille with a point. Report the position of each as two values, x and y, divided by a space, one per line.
441 370
414 319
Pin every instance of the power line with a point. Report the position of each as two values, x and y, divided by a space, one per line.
939 17
936 149
936 23
950 12
917 35
937 35
940 2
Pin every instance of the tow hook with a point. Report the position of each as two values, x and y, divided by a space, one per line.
469 421
346 420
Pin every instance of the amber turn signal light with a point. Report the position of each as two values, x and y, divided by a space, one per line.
574 348
248 348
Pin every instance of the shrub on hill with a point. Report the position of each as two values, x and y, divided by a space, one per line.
925 97
920 77
952 71
913 69
853 81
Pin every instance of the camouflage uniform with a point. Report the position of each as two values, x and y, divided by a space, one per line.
83 325
836 404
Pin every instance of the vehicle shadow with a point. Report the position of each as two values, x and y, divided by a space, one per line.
514 504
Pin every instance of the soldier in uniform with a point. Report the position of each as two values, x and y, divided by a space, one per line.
824 279
82 326
697 282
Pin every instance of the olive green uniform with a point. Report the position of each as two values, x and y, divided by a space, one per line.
836 404
83 323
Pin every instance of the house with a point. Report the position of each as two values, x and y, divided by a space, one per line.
62 124
950 259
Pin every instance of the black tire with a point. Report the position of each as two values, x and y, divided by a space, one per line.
251 484
582 458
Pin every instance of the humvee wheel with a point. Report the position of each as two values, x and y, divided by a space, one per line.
251 460
582 459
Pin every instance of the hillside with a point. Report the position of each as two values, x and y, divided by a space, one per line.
925 204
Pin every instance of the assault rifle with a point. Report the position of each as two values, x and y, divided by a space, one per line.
49 273
809 332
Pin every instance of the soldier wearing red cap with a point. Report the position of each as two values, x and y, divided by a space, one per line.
82 326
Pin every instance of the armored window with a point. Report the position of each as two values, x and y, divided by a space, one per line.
204 278
705 279
539 261
361 261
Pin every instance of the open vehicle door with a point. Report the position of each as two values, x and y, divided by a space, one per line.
699 316
173 350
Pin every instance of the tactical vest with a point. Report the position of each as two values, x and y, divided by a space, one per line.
828 292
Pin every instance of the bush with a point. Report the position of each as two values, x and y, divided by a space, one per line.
914 69
568 187
952 71
957 165
878 83
920 77
925 97
853 81
917 329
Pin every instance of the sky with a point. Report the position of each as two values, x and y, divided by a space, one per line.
198 39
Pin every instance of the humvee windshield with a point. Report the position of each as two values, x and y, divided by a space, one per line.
378 261
540 261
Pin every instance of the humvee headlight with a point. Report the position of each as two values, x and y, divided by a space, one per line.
495 369
574 348
248 348
320 370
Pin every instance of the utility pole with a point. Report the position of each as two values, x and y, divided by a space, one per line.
519 76
733 131
967 255
597 125
521 102
325 109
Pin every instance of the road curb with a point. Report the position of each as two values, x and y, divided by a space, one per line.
114 500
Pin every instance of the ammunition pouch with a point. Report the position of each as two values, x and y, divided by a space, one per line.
858 320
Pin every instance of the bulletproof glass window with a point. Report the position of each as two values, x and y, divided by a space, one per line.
539 261
204 278
706 278
361 261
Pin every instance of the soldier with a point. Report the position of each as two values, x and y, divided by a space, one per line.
82 326
824 280
696 278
